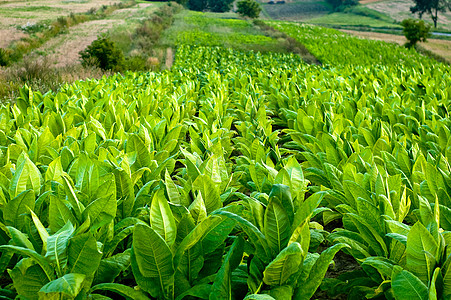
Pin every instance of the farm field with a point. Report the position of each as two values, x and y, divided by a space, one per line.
15 14
64 49
233 174
439 47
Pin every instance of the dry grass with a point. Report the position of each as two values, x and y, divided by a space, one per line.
441 48
9 35
63 50
19 13
400 10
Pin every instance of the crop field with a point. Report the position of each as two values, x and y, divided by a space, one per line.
234 175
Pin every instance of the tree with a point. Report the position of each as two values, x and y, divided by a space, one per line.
249 8
220 5
415 31
213 5
104 54
198 5
341 4
431 7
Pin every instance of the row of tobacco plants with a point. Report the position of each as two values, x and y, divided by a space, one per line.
236 175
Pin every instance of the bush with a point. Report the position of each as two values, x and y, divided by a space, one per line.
104 54
249 8
4 57
339 5
415 31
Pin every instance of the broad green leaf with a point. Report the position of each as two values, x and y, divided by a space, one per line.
287 263
26 176
28 278
222 286
201 291
120 289
153 256
41 230
405 285
19 239
161 219
43 263
256 237
57 247
419 243
209 191
66 287
259 297
15 209
307 288
83 255
276 226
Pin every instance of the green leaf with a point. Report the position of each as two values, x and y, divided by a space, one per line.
57 247
201 291
120 289
259 297
15 209
19 239
109 268
41 230
287 263
209 191
28 278
153 257
124 191
26 176
162 219
276 226
405 285
307 288
222 286
103 209
43 263
83 255
66 287
419 243
59 213
257 239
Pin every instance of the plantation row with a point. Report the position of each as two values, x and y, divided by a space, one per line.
234 175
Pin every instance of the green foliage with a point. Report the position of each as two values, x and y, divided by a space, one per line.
104 54
212 5
342 4
248 8
415 31
234 175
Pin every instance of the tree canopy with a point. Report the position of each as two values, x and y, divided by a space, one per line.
213 5
430 7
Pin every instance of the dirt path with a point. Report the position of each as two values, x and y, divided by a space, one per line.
169 58
439 47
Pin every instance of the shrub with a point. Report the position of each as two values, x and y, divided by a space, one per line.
415 31
104 54
249 8
4 57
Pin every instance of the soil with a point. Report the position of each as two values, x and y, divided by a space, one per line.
169 58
